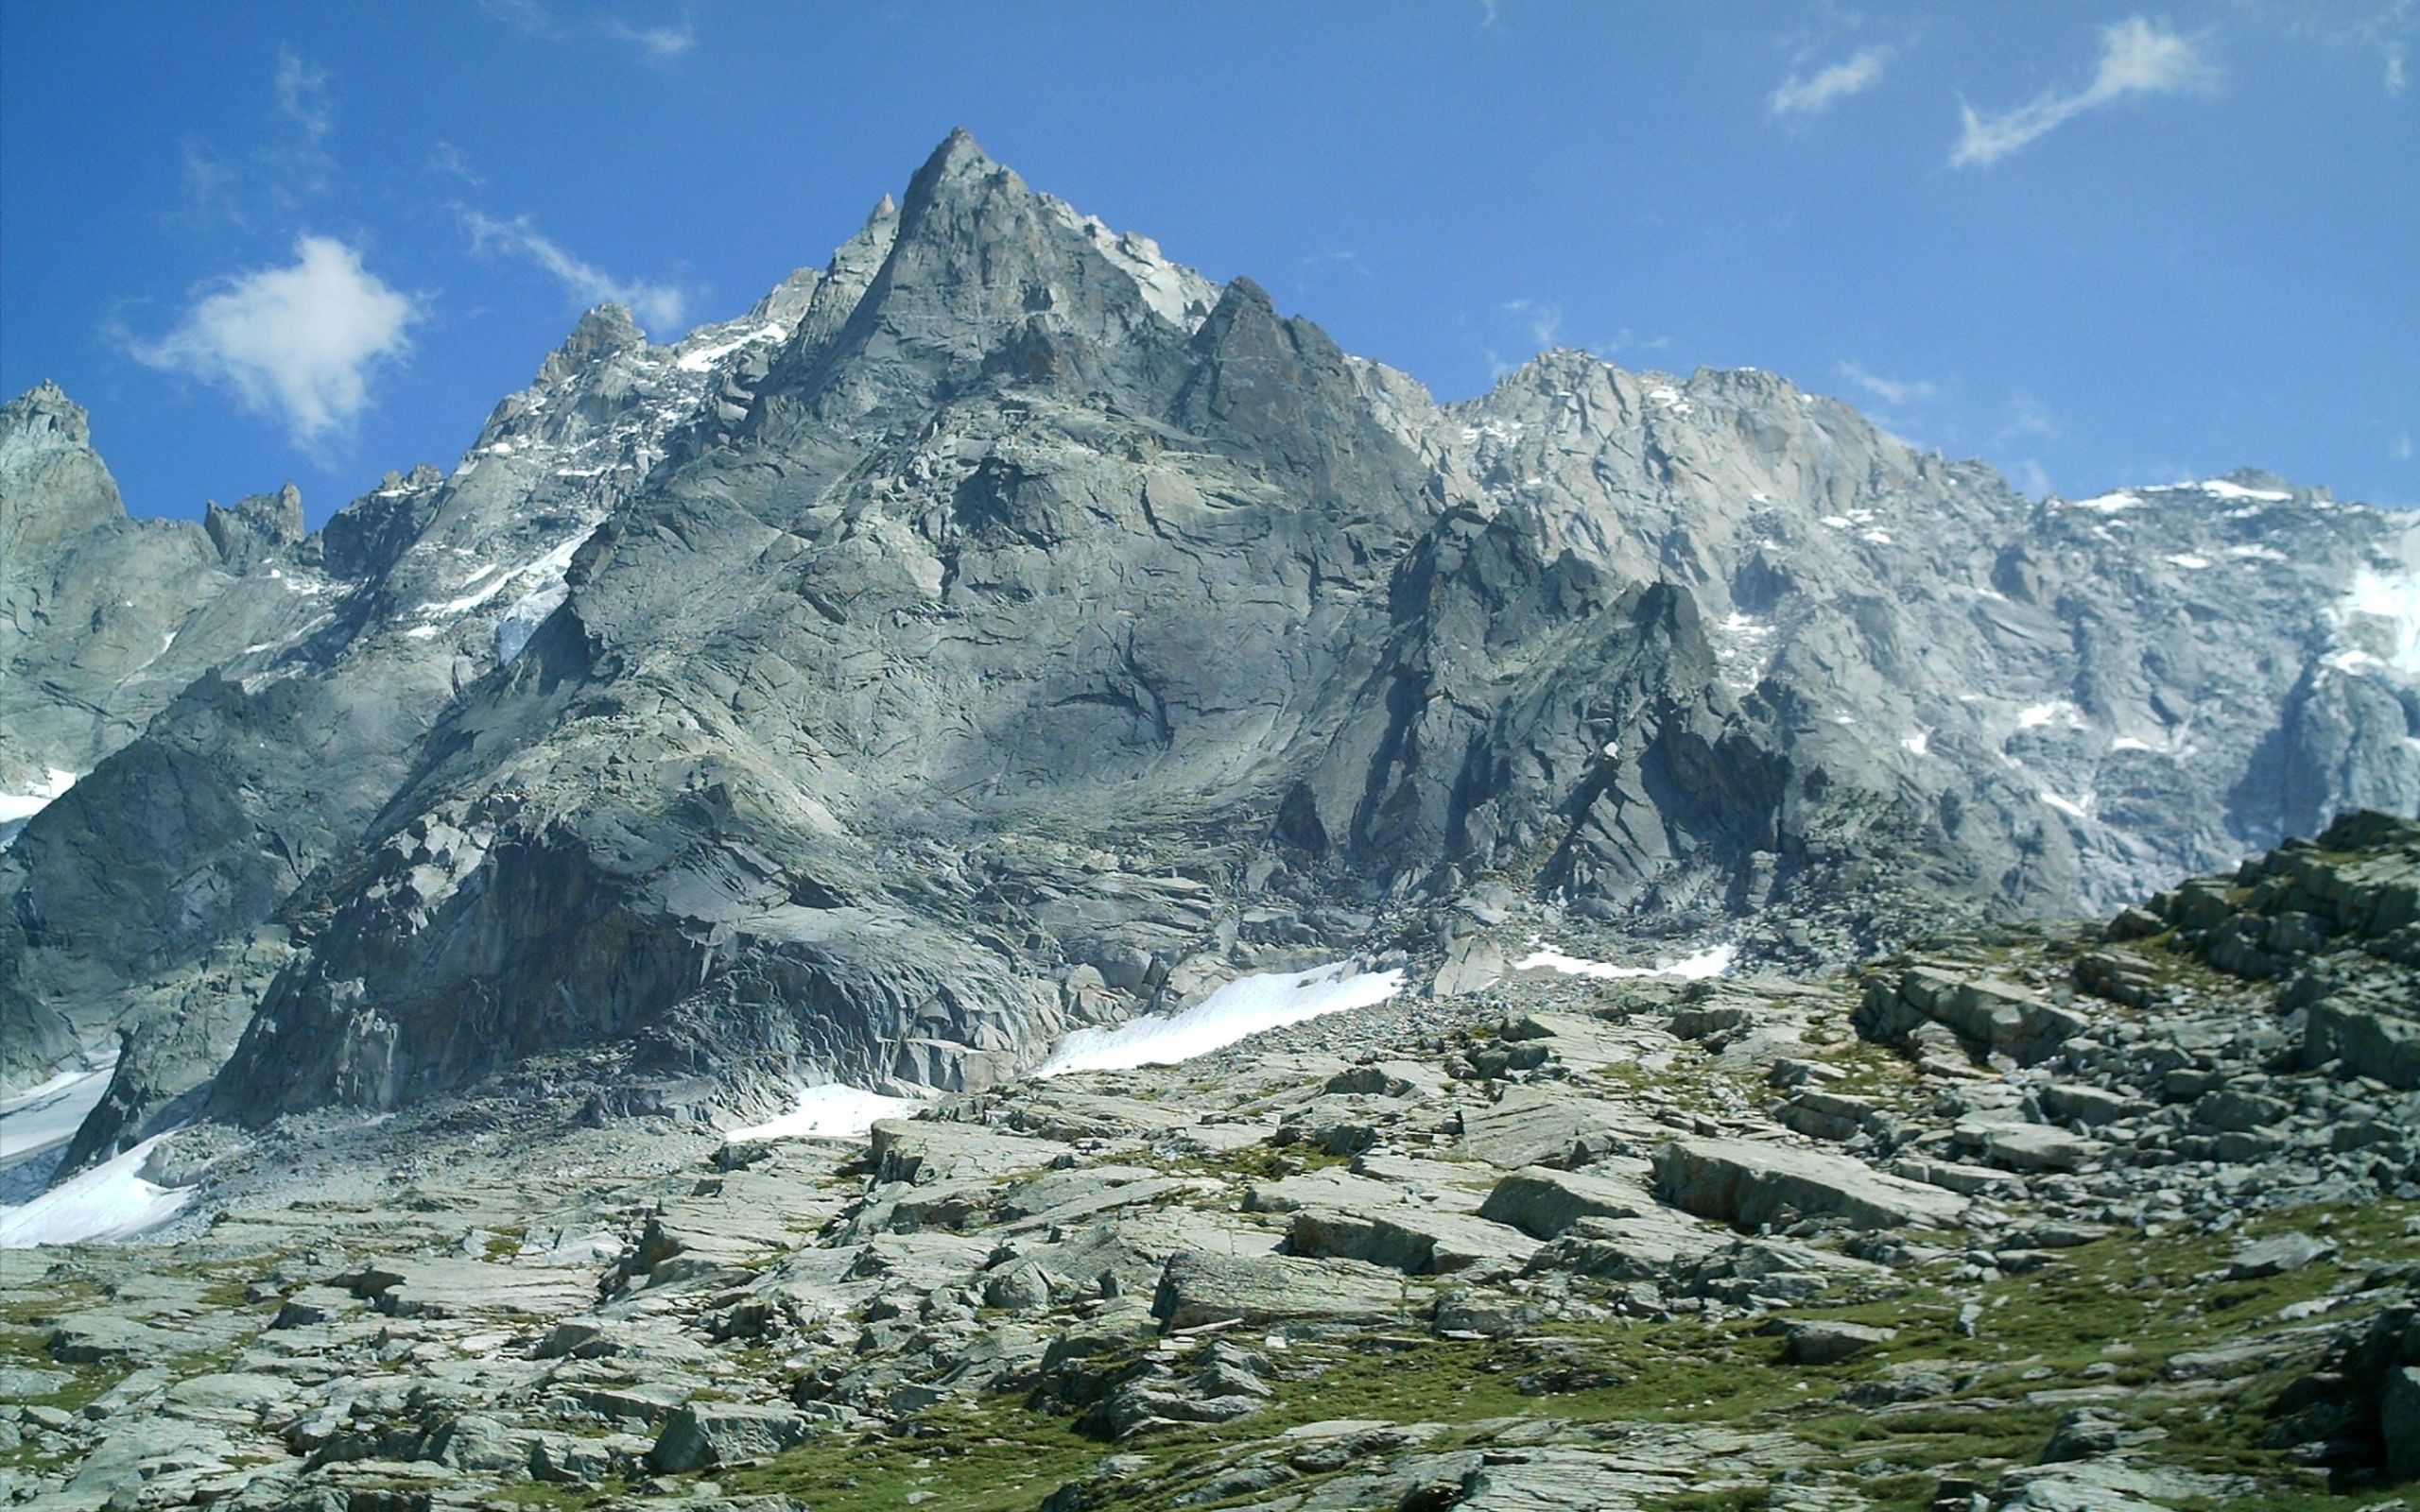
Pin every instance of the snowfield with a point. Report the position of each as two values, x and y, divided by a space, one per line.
112 1200
829 1111
16 808
1244 1006
1715 961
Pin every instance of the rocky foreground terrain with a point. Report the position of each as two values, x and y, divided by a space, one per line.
2119 1216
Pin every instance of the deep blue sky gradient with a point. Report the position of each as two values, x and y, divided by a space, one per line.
2175 284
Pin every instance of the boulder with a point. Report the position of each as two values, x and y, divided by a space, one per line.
1197 1287
1418 1241
2368 1042
1822 1341
700 1434
1543 1202
1743 1182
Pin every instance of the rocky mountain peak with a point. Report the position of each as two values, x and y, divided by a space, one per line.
602 331
1003 629
262 524
53 485
45 410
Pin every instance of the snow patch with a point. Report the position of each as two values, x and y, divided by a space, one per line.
2221 488
2381 617
2073 808
1741 647
1244 1006
2063 711
115 1199
17 808
1919 743
2188 562
44 1117
829 1111
528 612
705 357
2109 503
1713 961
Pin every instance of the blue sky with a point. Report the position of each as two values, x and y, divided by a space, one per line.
2096 245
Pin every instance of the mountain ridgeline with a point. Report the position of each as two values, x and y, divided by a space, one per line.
1002 628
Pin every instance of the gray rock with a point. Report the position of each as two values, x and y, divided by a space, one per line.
1197 1288
1543 1202
1421 1242
1740 1182
1816 1341
2276 1255
2399 1422
703 1434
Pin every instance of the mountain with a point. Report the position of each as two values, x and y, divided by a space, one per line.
1003 629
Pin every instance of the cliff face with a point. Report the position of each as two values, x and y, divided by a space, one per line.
1003 626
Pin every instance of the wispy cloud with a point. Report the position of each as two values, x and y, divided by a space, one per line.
303 93
446 159
1543 319
2138 57
299 344
1815 94
658 306
1891 391
658 46
2024 417
2401 451
1334 260
1625 340
289 166
2390 28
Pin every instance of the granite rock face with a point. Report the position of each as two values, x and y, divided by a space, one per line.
1002 628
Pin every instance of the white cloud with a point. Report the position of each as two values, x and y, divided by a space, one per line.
2394 70
298 344
2138 57
1891 391
660 46
2402 449
1853 74
658 306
